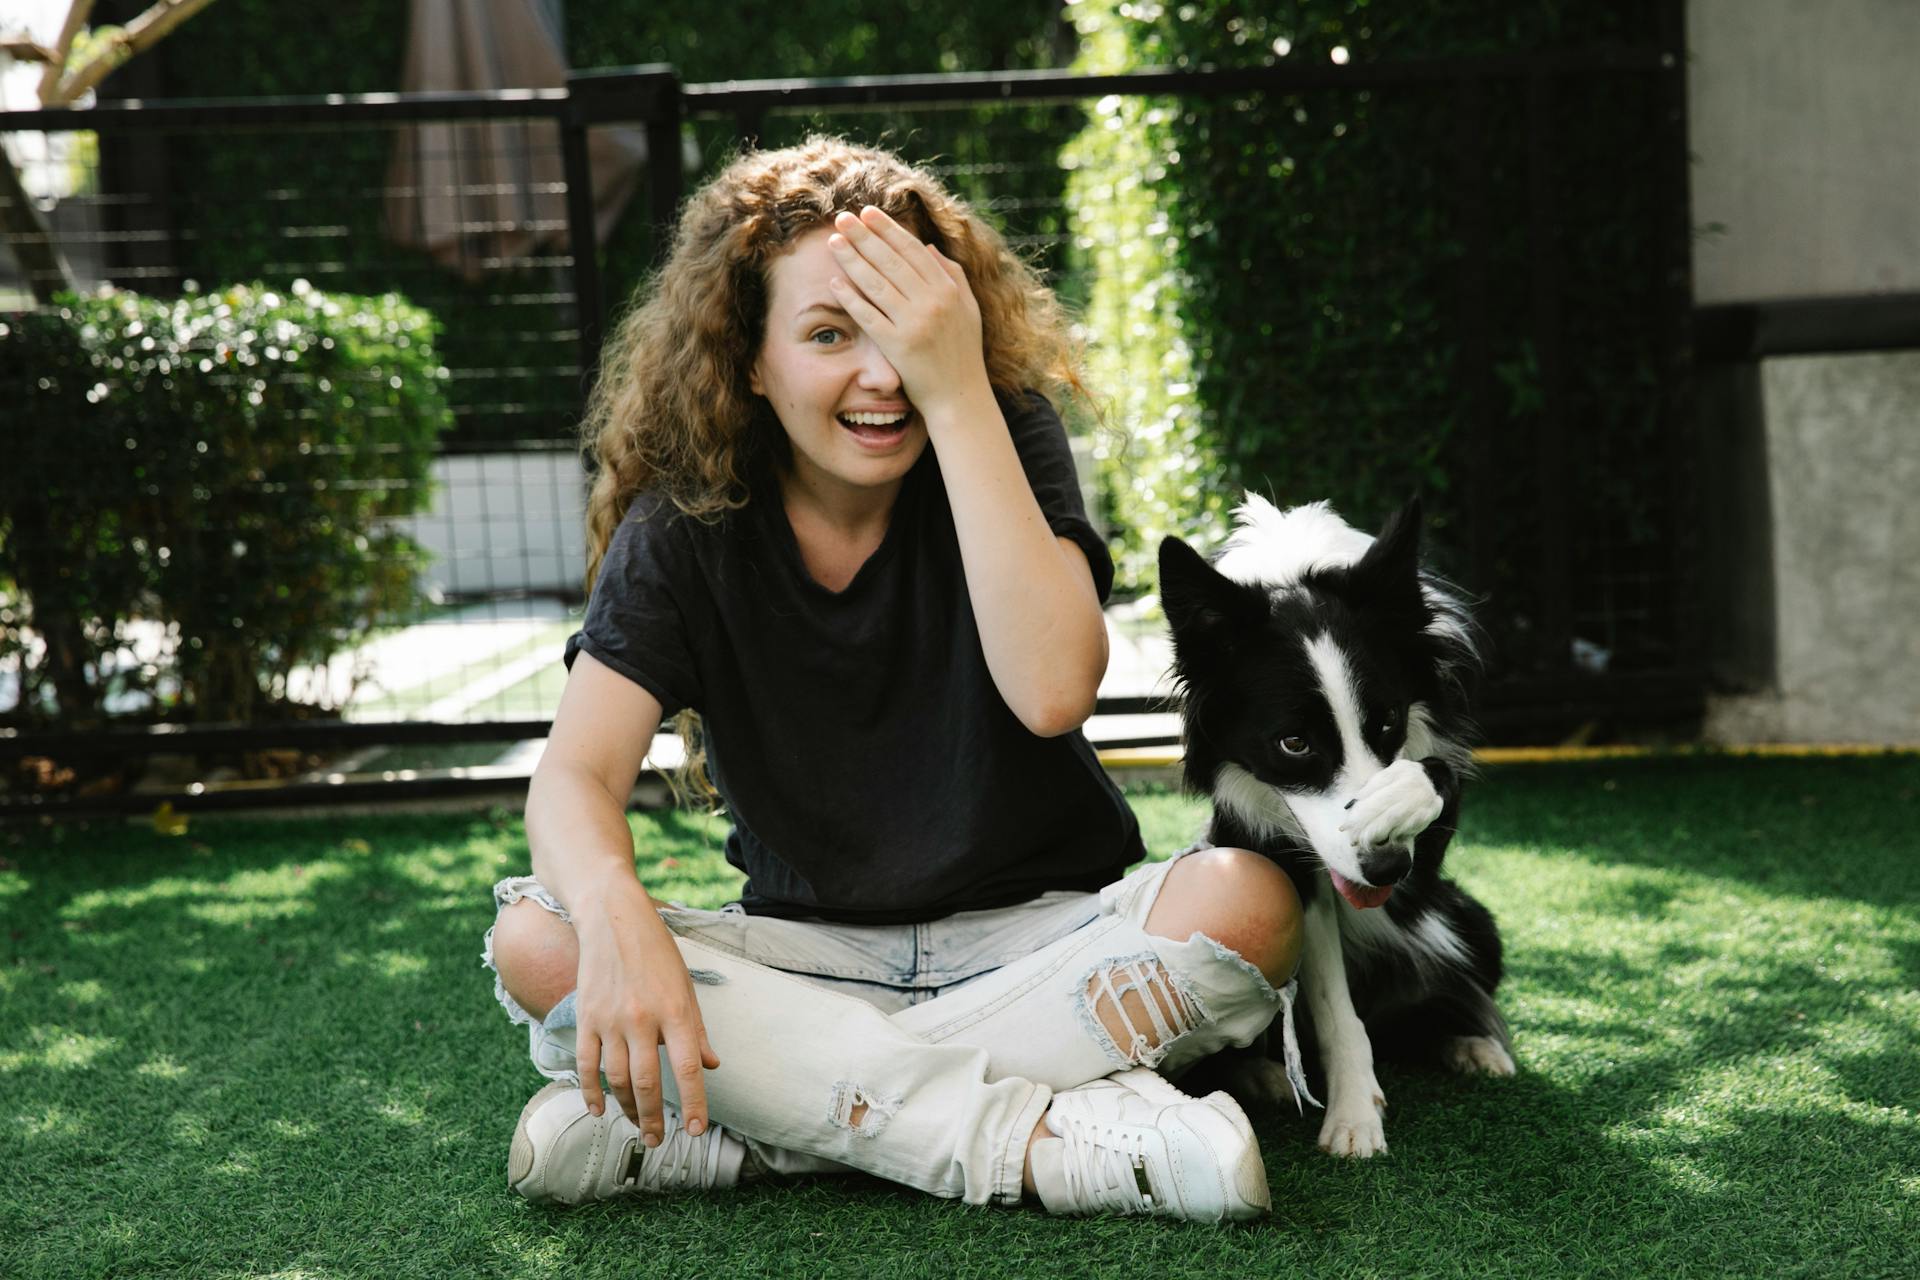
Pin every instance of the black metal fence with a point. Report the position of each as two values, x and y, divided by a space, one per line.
166 207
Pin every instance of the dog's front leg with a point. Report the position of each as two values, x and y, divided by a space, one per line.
1354 1102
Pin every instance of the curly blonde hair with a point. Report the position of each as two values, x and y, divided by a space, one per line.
672 411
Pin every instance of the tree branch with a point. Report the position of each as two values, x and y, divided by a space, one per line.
77 15
24 49
138 36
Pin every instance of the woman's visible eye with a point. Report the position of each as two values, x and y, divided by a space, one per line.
817 334
1295 745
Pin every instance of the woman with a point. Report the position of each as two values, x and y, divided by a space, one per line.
836 517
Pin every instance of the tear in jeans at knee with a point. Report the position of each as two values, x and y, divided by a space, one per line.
860 1110
1136 1009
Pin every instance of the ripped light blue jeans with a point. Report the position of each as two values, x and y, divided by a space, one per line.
926 1054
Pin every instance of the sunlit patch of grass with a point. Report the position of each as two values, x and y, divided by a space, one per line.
56 1048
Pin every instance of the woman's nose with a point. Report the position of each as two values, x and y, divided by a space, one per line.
877 372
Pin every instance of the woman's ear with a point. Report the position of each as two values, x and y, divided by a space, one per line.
753 379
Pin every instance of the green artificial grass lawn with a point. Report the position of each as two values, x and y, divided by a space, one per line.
269 1048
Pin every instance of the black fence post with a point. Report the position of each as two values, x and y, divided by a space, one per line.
1553 556
1674 327
647 95
583 246
1476 348
665 174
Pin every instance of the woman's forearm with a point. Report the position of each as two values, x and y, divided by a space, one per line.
1033 597
582 847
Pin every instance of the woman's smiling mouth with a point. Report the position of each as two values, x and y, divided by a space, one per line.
878 430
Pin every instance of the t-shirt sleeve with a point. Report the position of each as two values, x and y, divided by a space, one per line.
636 621
1040 438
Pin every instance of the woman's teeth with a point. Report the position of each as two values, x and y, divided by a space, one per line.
872 419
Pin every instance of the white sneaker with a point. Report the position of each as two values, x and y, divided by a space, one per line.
1132 1143
564 1154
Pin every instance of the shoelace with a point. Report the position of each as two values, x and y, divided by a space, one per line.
678 1163
1105 1168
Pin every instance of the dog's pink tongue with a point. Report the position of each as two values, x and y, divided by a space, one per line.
1360 895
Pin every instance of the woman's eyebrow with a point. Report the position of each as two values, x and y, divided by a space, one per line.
822 306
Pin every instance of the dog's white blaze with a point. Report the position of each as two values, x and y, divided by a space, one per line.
1358 762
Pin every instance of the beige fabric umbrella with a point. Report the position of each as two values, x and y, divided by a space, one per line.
485 195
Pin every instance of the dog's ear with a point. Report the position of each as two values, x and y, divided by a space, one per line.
1387 578
1202 603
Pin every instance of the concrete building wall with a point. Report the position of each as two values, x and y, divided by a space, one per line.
1805 125
1842 455
1805 121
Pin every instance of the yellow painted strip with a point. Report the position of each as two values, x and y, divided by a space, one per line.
1170 757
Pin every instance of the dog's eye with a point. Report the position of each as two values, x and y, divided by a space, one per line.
1294 745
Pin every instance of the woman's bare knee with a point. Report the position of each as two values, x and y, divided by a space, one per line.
1239 899
536 955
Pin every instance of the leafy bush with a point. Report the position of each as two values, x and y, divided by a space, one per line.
229 464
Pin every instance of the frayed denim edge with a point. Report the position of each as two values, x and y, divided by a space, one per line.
505 894
847 1095
1289 1037
1151 1056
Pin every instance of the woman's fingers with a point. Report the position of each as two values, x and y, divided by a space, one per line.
869 317
616 1064
684 1046
904 244
953 269
645 1068
586 1062
868 278
891 248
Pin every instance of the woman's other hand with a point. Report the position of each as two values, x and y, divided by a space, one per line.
635 996
915 303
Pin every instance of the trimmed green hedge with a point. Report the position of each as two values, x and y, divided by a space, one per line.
229 464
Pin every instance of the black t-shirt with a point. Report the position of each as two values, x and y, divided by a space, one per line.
871 769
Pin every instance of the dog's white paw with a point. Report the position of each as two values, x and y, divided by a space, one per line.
1477 1056
1354 1132
1395 805
1260 1081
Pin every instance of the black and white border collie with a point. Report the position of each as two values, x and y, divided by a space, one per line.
1322 679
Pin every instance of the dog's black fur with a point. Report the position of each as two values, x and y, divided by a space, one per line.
1322 680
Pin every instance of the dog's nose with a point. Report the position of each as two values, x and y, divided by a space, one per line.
1383 867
